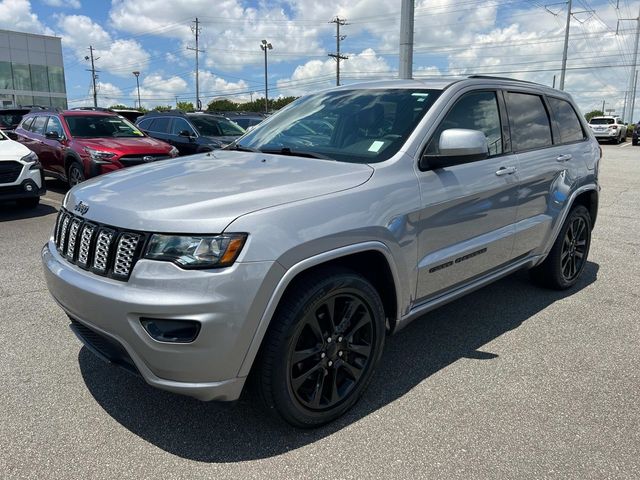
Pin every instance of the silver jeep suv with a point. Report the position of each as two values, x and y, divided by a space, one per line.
288 256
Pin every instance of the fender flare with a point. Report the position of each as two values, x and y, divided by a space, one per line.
300 267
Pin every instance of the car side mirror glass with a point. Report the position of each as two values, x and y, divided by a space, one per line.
52 135
457 146
185 133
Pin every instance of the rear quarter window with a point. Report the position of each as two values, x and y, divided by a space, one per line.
567 121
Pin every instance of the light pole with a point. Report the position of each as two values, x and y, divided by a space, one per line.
266 46
137 74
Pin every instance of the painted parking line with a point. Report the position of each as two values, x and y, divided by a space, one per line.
51 201
625 144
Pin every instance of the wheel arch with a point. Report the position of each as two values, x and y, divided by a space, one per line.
373 260
589 199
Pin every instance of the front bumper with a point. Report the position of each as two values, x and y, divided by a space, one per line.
29 184
227 302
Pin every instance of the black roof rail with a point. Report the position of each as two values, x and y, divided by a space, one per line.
95 109
491 77
40 108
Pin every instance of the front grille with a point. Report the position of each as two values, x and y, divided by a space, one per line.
102 249
9 171
131 160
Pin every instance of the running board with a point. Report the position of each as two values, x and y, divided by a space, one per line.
426 307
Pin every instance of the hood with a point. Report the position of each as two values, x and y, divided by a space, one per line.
204 193
223 139
10 150
126 145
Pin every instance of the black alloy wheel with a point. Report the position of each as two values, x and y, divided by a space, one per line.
321 348
75 175
332 349
574 249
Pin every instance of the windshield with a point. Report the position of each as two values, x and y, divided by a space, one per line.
361 126
216 126
101 126
602 121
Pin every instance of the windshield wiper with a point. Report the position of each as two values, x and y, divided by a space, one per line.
294 153
240 148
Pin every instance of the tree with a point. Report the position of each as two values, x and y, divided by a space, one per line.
222 105
119 107
163 108
186 106
593 113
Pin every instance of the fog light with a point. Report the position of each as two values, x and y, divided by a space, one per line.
28 187
172 331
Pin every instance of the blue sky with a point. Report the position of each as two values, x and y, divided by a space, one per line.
517 38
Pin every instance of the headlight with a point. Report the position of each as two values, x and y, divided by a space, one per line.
99 154
197 251
174 152
30 157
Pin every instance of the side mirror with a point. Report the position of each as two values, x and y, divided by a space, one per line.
457 146
185 133
52 135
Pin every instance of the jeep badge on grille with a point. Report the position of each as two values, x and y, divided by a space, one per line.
81 208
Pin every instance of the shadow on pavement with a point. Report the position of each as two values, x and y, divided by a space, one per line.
12 211
216 432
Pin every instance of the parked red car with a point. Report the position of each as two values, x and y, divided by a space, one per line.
73 145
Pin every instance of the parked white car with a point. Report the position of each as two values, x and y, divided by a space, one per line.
609 128
20 173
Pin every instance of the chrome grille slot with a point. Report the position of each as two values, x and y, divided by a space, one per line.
103 245
63 233
56 228
85 244
125 254
73 235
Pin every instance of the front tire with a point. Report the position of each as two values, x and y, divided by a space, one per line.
322 348
75 174
568 256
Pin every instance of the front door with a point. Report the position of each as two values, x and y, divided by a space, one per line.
468 211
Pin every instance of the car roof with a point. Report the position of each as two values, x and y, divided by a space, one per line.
73 113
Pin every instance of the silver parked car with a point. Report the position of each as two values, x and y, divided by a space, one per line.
339 219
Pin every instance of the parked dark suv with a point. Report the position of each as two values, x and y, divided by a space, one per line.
73 145
10 118
190 132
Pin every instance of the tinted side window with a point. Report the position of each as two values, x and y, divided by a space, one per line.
530 127
475 111
38 125
26 124
144 124
567 120
54 125
160 125
180 125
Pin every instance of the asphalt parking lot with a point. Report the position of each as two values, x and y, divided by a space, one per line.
512 381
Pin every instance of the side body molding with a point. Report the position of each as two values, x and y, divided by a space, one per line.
305 264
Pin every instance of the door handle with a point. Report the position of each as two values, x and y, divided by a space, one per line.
564 158
506 171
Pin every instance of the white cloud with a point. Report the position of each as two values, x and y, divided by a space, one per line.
108 94
17 15
213 86
63 3
118 57
158 90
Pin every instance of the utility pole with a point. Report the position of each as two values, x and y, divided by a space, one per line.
137 74
265 46
406 39
566 46
603 107
338 21
196 30
633 98
628 107
93 74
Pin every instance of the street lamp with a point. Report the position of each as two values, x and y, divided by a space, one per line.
137 74
266 46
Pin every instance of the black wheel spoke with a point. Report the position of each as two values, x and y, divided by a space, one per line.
353 306
302 355
331 308
317 393
334 396
297 382
353 370
363 350
364 320
312 321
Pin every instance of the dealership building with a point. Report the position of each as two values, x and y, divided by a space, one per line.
31 70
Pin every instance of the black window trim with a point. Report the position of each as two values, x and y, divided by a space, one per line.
502 117
46 126
173 118
585 136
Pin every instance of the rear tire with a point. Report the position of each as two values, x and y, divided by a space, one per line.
568 256
322 347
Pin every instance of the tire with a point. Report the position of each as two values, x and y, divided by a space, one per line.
32 202
75 174
623 138
634 143
311 371
568 256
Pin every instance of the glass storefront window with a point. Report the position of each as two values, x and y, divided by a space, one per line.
39 78
42 101
56 80
6 76
24 100
59 102
21 77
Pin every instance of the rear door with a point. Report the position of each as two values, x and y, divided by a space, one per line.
549 141
185 143
468 211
